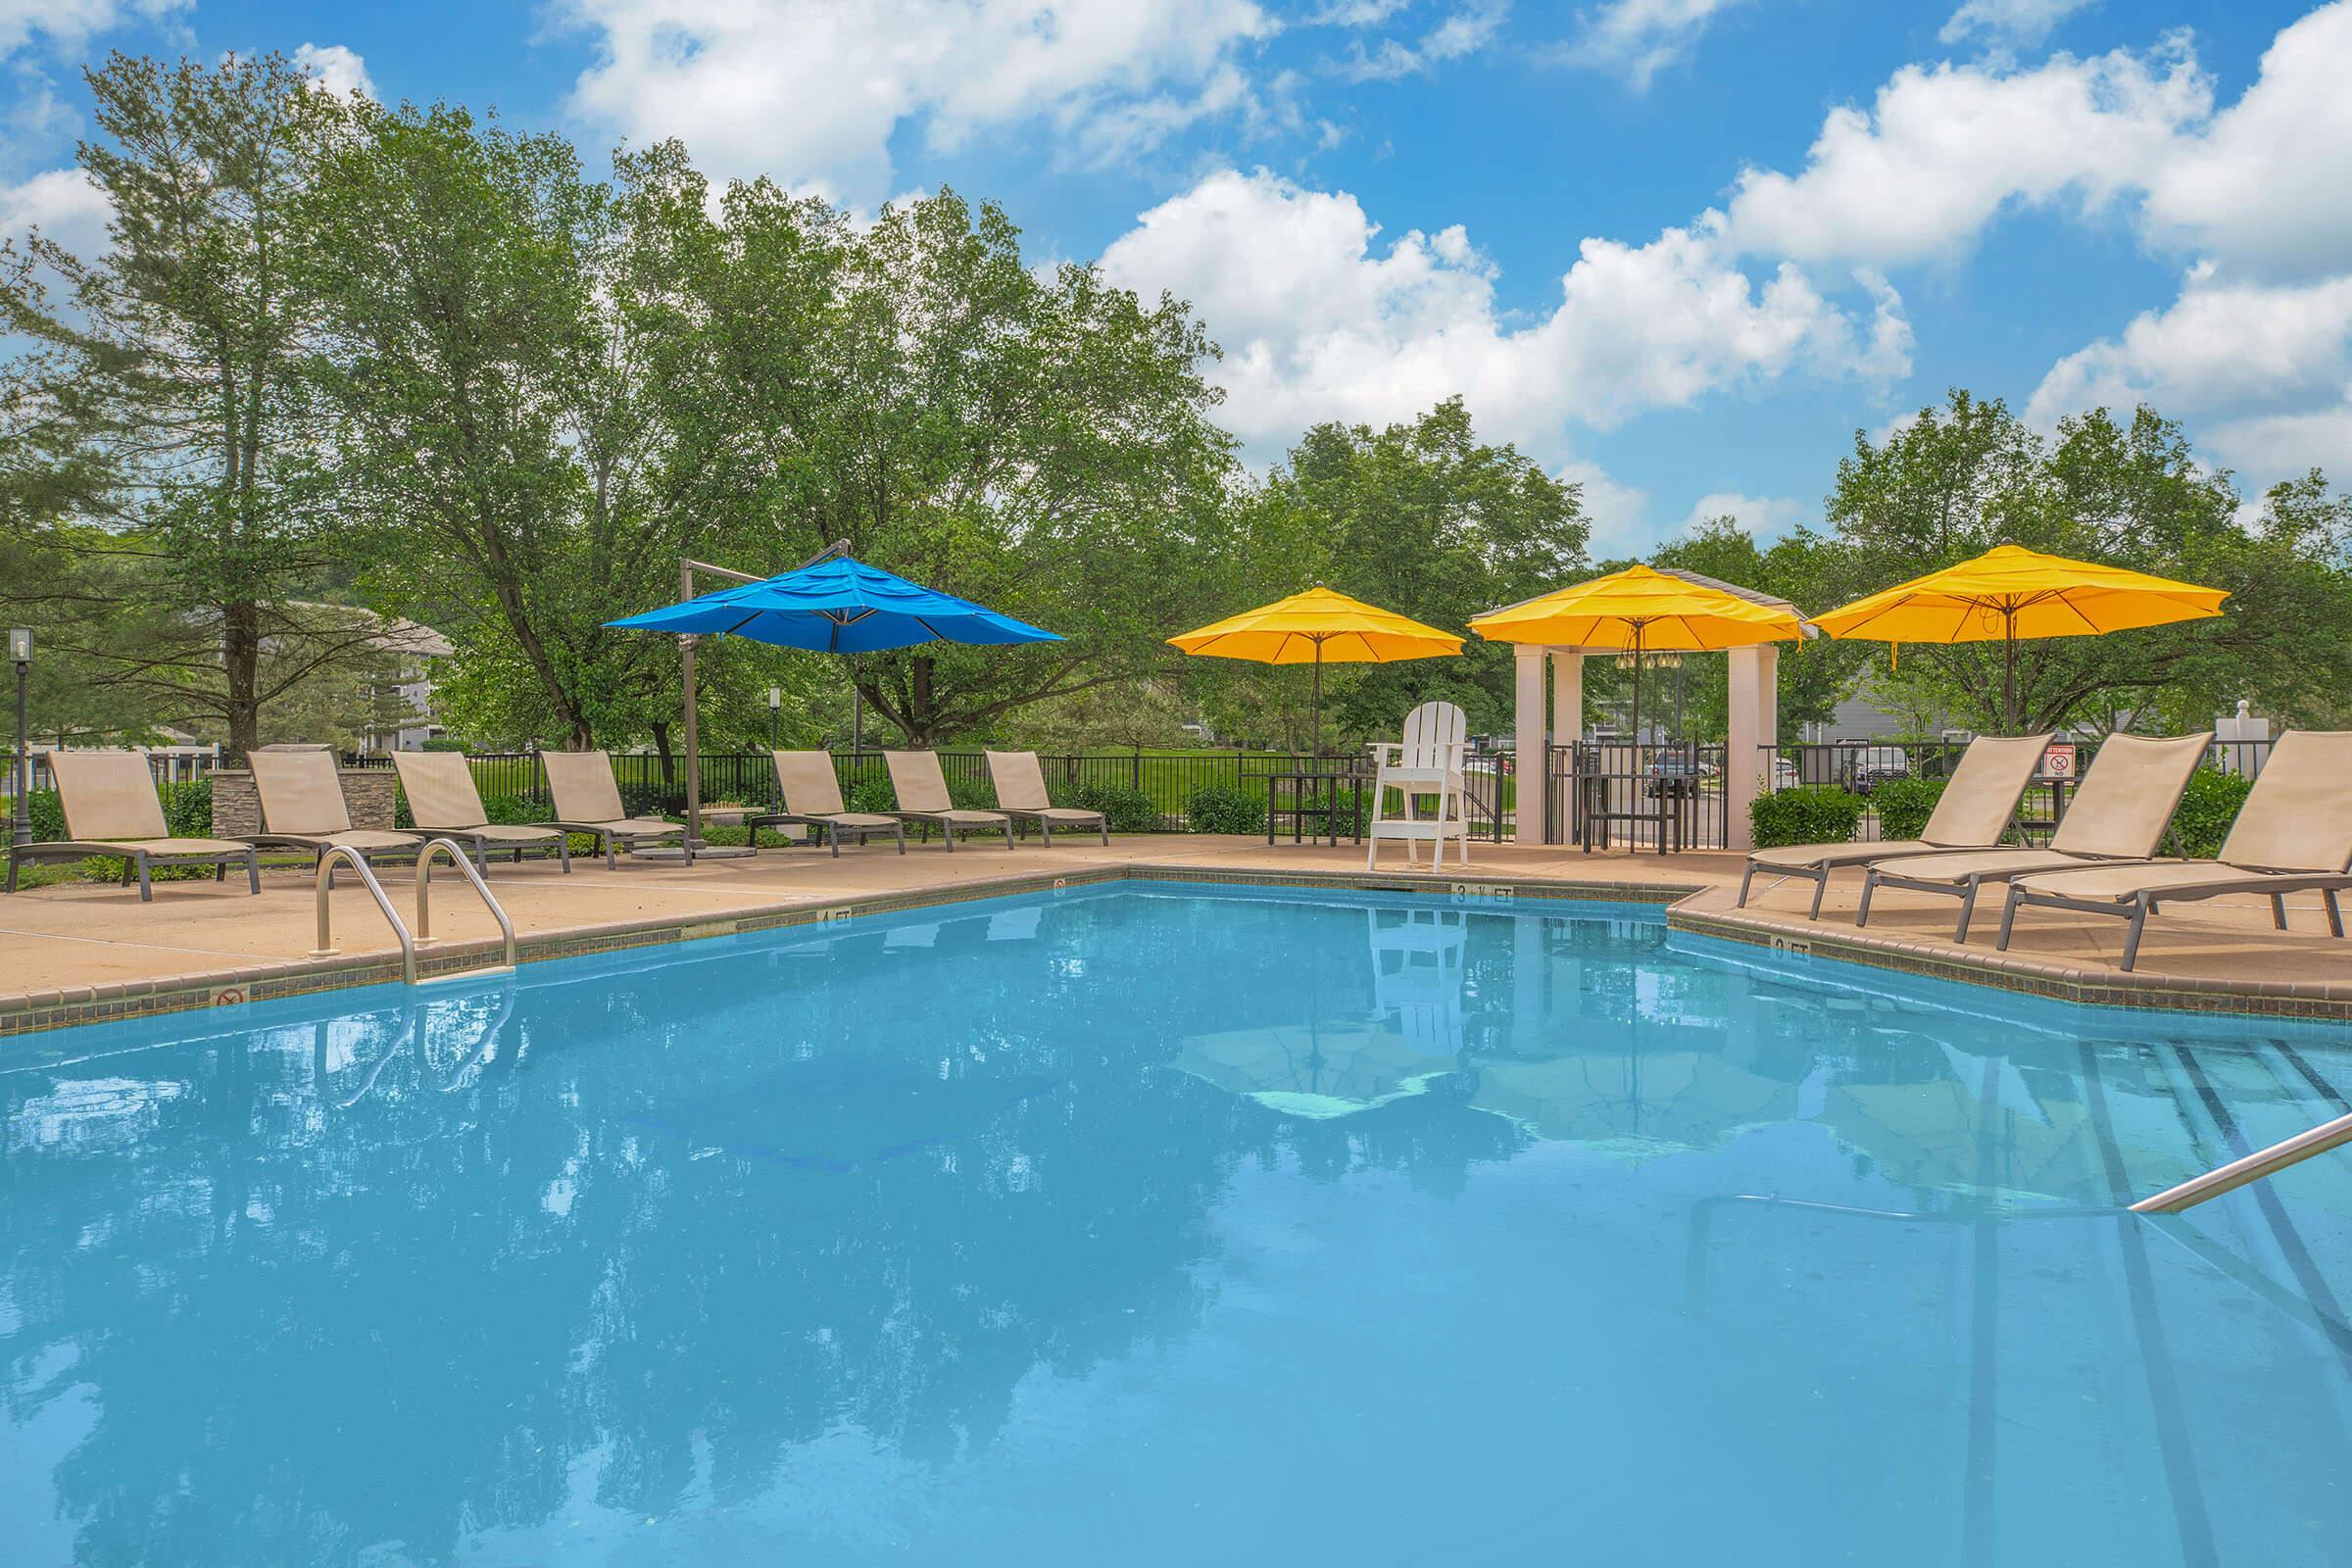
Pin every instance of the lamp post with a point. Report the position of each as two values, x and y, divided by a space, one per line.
20 649
775 714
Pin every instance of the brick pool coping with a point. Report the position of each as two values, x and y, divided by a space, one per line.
40 1010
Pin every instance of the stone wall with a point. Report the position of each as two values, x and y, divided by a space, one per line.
367 793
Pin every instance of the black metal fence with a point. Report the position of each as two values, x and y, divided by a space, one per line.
1616 794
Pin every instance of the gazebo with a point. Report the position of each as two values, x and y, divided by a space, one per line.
1754 708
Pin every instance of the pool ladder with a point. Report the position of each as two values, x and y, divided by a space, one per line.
409 942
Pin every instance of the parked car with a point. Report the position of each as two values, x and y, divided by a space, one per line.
1873 766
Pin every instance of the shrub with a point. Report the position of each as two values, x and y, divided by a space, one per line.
48 815
1818 813
1128 811
869 794
1222 809
1904 804
2208 808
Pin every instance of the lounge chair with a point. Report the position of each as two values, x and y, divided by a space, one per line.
813 799
445 804
112 811
2293 835
1022 794
2120 813
588 800
1975 810
303 808
921 790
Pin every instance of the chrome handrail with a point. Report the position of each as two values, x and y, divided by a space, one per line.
326 941
2252 1168
425 910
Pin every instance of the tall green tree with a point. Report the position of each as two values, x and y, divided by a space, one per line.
160 397
487 379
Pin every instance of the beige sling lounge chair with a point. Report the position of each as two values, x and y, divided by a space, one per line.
2120 813
2293 835
1975 810
111 811
923 795
1022 795
588 800
303 808
445 804
813 799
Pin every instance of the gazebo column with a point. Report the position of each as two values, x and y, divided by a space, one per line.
1527 728
1567 714
1755 722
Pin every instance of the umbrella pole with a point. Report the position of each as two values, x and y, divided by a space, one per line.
1638 775
1316 712
694 746
2009 671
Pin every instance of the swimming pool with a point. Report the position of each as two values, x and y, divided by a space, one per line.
1156 1223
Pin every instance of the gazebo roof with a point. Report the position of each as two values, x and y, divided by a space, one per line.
1700 579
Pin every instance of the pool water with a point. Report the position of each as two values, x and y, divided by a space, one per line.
1155 1223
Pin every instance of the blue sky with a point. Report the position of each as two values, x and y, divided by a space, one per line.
1679 250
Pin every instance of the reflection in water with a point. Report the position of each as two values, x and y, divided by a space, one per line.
654 1235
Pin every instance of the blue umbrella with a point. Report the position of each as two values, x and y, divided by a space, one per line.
832 605
839 606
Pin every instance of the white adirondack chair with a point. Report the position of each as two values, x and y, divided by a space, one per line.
1427 765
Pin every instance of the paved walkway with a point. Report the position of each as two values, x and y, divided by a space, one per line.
81 943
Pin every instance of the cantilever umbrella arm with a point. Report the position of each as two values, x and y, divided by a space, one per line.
687 567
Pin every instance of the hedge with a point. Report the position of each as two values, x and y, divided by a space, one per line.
1222 809
1127 810
1904 804
1820 814
2208 808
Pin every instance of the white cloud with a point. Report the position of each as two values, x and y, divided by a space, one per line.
2276 446
1944 149
1320 318
63 204
812 91
1465 31
69 24
2218 346
1764 517
2007 22
2263 189
1619 514
335 67
1636 39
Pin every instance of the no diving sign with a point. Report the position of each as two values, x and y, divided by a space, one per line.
2058 760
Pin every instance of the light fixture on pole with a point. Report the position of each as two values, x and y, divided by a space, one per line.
775 714
19 650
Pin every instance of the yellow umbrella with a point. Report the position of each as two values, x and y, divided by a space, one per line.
1316 626
1642 609
2011 592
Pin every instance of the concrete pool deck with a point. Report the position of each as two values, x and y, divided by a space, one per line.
80 953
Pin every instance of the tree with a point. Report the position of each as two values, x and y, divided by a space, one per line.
1039 443
487 383
161 395
1425 519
